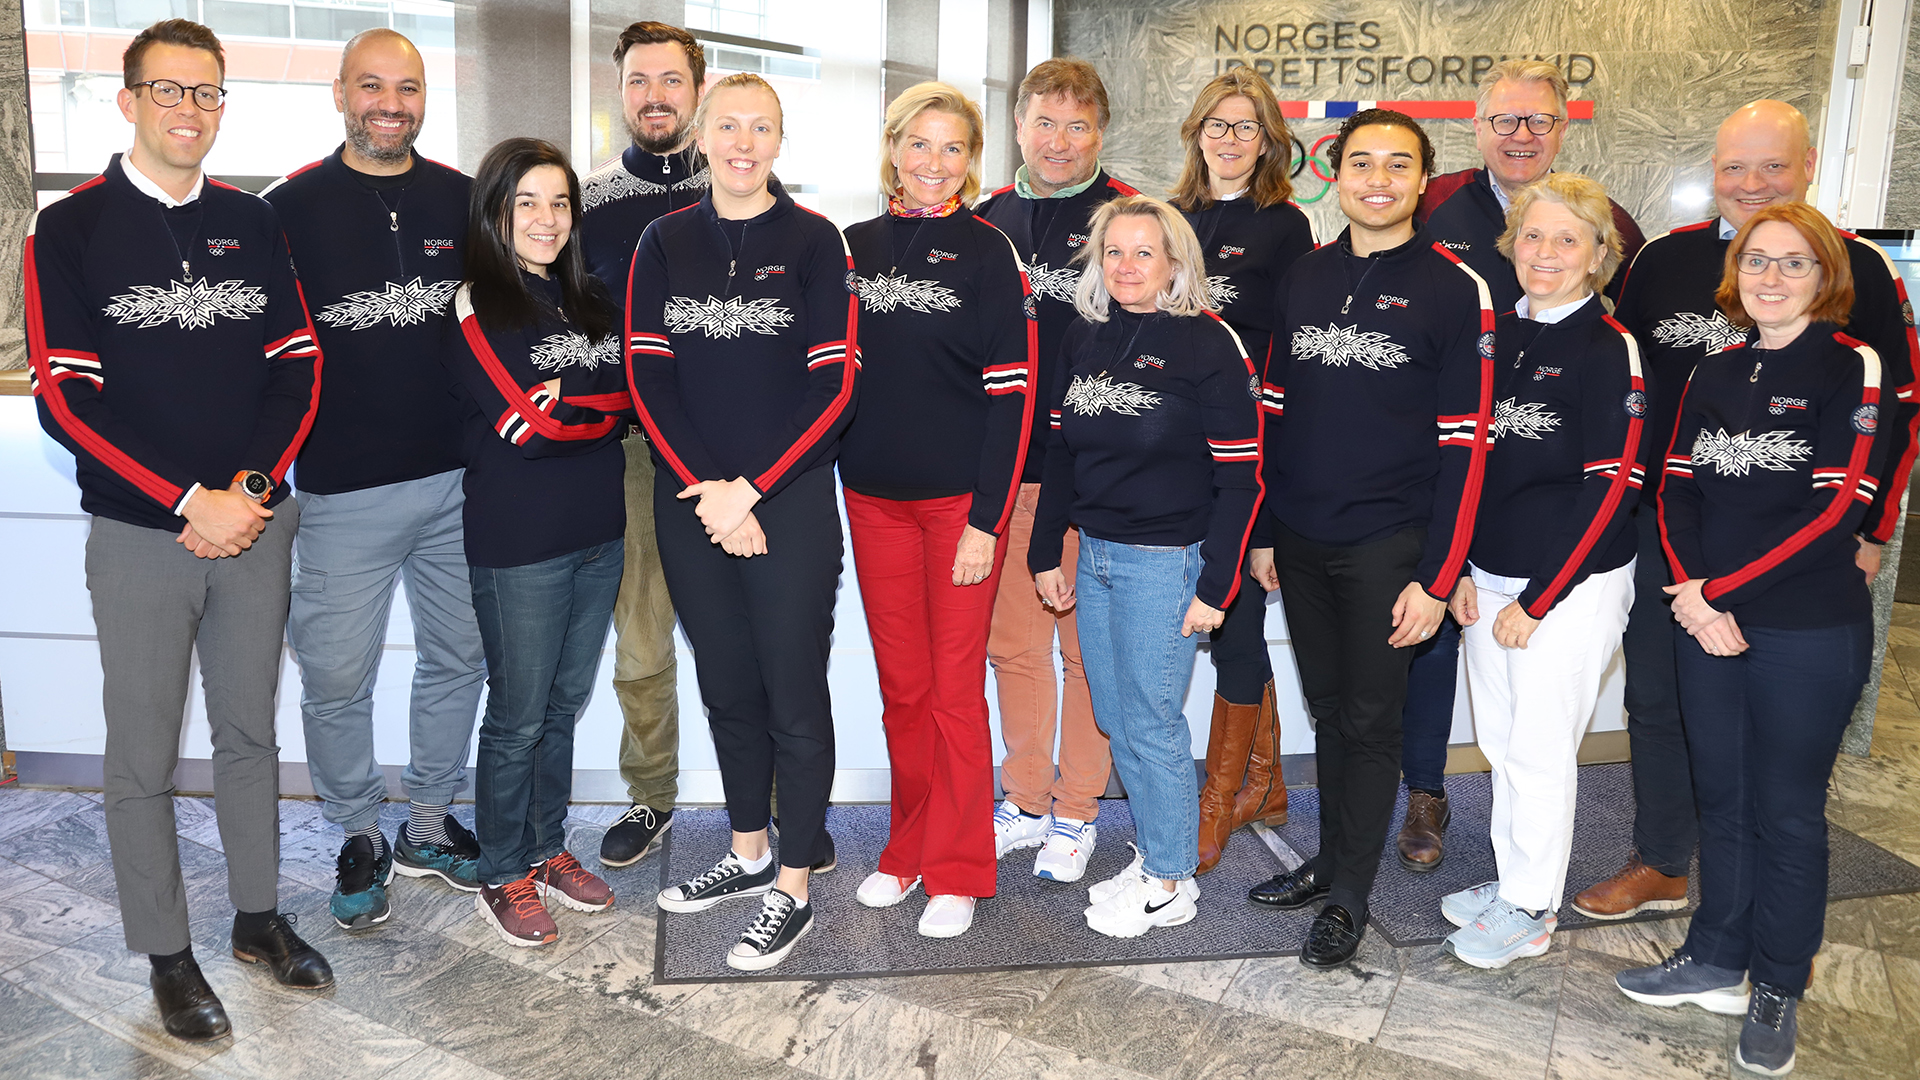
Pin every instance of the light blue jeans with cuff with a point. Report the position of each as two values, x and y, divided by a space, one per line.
1131 602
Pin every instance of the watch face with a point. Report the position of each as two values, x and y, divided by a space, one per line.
257 485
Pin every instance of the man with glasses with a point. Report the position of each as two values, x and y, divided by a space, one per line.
1521 122
1762 155
377 233
172 354
662 69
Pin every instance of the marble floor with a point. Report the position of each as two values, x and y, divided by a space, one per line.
433 994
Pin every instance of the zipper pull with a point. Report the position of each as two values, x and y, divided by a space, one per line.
1755 377
393 217
186 271
1348 304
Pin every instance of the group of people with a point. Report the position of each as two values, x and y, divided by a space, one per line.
554 405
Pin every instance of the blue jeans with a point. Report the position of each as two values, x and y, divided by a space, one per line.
544 626
1131 602
351 550
1763 728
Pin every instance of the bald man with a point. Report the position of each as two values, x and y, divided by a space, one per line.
376 233
1762 156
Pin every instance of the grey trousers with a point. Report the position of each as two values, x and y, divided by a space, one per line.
152 603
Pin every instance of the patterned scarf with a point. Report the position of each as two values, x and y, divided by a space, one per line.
900 209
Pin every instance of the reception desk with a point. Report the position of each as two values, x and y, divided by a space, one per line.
50 666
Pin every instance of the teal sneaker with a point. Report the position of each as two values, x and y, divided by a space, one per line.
1501 934
456 862
360 889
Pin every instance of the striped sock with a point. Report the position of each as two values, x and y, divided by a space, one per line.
426 823
373 833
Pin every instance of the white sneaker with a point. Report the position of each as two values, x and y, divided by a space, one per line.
1141 904
946 916
1100 890
884 890
1064 856
1013 830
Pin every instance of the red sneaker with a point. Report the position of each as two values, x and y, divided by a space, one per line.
563 878
515 910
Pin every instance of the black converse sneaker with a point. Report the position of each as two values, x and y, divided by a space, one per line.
633 834
728 879
772 934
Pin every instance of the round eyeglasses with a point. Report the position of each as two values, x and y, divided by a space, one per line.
1793 266
1507 123
1244 130
166 93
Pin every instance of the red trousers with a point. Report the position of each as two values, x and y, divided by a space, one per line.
930 645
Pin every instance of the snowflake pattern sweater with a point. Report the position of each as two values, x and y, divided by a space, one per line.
1248 251
1563 474
545 472
164 363
1383 350
1462 212
1049 234
379 269
1156 434
743 351
621 198
1667 301
1770 471
947 341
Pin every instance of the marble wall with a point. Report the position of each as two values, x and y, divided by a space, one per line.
1663 74
16 185
1903 173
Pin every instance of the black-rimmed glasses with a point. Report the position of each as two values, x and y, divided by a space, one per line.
1793 266
1244 130
166 93
1507 123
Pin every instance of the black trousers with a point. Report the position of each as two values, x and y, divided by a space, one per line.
760 629
1666 823
1242 668
1340 614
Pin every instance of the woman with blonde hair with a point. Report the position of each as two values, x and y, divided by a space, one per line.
931 465
1233 190
1155 455
1550 574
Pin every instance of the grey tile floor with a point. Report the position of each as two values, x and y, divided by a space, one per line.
432 995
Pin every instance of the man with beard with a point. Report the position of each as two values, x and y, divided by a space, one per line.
662 69
376 232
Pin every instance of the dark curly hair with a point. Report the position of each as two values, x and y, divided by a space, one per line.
1380 118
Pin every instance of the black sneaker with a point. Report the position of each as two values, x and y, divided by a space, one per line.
772 934
360 885
1767 1038
634 834
728 879
827 862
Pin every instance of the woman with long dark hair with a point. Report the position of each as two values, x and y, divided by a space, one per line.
741 330
537 359
1234 191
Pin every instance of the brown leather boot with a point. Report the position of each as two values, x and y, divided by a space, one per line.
1634 888
1233 727
1423 834
1264 796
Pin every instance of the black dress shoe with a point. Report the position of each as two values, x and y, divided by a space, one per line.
1294 889
633 834
1332 939
188 1006
294 962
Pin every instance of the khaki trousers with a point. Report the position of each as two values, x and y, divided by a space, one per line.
645 675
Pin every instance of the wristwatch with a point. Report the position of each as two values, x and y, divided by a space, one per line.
258 486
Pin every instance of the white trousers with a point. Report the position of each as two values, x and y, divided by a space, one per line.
1530 708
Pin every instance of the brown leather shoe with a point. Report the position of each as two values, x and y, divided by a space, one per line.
1424 832
1263 797
1635 888
1227 748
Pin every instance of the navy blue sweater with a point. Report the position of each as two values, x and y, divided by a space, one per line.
379 268
1383 350
946 345
164 363
1248 250
743 353
1667 301
1156 441
1563 475
621 198
544 471
1462 212
1770 472
1050 235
